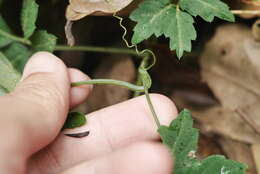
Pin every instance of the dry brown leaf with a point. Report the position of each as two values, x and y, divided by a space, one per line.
225 122
72 15
231 68
240 152
78 9
256 154
219 120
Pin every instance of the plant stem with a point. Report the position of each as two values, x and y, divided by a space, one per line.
97 49
110 82
15 38
74 48
152 108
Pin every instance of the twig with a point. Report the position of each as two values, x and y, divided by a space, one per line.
253 12
247 119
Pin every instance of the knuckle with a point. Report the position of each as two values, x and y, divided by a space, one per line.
39 92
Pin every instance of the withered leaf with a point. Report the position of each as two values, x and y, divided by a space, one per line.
78 9
240 152
230 67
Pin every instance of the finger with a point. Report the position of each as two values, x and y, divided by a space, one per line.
80 93
153 158
36 110
110 129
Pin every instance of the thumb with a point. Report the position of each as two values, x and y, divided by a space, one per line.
36 110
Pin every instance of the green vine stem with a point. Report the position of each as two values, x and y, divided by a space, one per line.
96 49
15 38
155 117
123 84
74 48
144 66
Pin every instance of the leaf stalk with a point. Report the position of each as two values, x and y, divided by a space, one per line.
123 84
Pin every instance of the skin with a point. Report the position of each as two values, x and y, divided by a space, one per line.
122 140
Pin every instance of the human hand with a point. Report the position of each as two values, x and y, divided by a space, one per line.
123 137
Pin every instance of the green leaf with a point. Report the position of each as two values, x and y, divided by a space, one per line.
182 139
29 16
3 26
74 120
207 9
168 136
18 55
164 18
3 91
8 75
182 32
218 164
43 41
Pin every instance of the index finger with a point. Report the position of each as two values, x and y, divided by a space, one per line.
110 129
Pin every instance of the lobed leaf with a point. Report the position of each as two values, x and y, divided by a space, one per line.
43 41
29 16
182 139
164 18
207 9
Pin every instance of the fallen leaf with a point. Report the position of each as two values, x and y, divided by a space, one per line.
78 9
231 68
240 152
226 122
